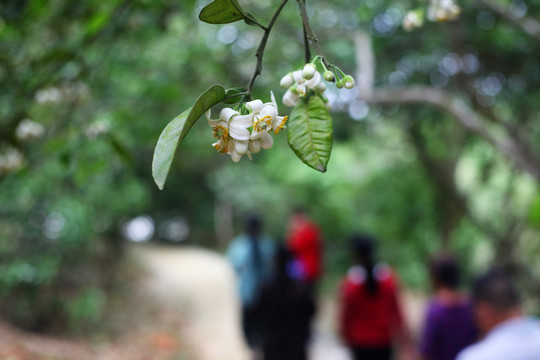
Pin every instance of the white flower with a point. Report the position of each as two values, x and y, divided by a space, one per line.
290 98
231 130
443 10
286 81
11 160
265 119
29 130
411 20
301 86
245 134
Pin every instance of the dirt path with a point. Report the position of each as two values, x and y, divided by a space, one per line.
201 285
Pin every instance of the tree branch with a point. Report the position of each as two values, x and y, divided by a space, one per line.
449 103
528 24
260 50
309 31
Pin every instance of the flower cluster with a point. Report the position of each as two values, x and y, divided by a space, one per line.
443 10
242 134
299 82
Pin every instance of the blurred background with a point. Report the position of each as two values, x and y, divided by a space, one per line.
87 86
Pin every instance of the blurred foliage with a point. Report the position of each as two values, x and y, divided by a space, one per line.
103 79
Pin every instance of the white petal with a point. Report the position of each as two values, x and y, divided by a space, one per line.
269 110
238 133
321 87
241 147
277 121
257 134
213 123
290 99
266 141
301 89
255 105
273 99
298 76
286 81
313 82
241 121
227 113
254 146
235 156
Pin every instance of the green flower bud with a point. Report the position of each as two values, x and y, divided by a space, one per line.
328 75
309 71
339 84
348 82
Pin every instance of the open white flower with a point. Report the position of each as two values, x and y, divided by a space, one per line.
232 132
239 134
265 116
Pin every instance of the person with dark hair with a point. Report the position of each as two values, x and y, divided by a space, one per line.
287 308
508 333
449 323
370 314
251 256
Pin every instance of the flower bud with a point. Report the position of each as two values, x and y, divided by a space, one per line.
286 81
321 87
339 84
348 82
328 75
309 71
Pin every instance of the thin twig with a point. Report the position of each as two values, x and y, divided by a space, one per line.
260 51
307 50
309 31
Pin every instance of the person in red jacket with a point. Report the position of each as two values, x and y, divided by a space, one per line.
304 240
370 314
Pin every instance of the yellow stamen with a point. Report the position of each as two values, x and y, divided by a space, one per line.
262 123
220 132
220 149
282 125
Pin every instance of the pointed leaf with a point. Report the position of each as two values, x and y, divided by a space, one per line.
222 12
309 132
175 132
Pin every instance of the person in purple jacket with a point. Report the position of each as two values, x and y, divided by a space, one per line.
449 324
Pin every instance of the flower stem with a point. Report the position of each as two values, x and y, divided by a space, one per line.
260 51
310 35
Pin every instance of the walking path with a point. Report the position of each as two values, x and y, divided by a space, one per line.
201 285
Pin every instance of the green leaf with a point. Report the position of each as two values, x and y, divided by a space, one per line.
222 12
250 19
232 95
309 132
175 132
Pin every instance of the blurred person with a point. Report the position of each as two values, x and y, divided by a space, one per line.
287 308
370 313
251 256
449 324
304 240
508 333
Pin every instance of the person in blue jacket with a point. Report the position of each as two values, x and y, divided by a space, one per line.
251 256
